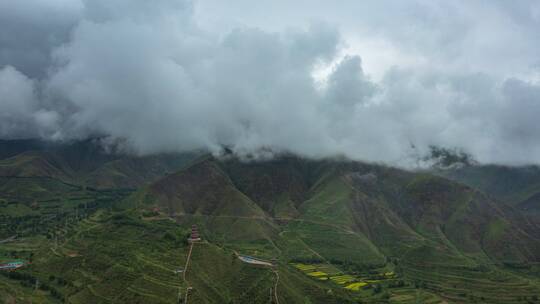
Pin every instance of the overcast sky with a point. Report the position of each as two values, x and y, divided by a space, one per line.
366 79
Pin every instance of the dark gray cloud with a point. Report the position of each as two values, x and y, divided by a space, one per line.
30 29
368 79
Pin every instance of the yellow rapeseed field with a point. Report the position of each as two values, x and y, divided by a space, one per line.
356 286
342 279
322 278
304 267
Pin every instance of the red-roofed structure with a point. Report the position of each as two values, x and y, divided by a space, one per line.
194 237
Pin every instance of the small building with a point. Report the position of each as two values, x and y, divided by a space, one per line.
194 236
11 265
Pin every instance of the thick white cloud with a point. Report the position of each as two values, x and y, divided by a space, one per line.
21 114
172 75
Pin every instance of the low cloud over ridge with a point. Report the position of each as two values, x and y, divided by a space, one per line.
149 74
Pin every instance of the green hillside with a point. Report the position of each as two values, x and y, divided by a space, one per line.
337 232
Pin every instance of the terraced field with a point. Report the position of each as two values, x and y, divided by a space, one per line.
328 272
468 284
128 271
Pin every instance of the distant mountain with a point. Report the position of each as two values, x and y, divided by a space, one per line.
9 148
517 186
85 163
36 164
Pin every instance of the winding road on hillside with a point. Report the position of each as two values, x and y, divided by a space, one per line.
275 286
266 219
255 261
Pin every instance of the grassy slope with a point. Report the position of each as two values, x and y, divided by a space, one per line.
442 235
420 219
133 172
120 258
35 164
